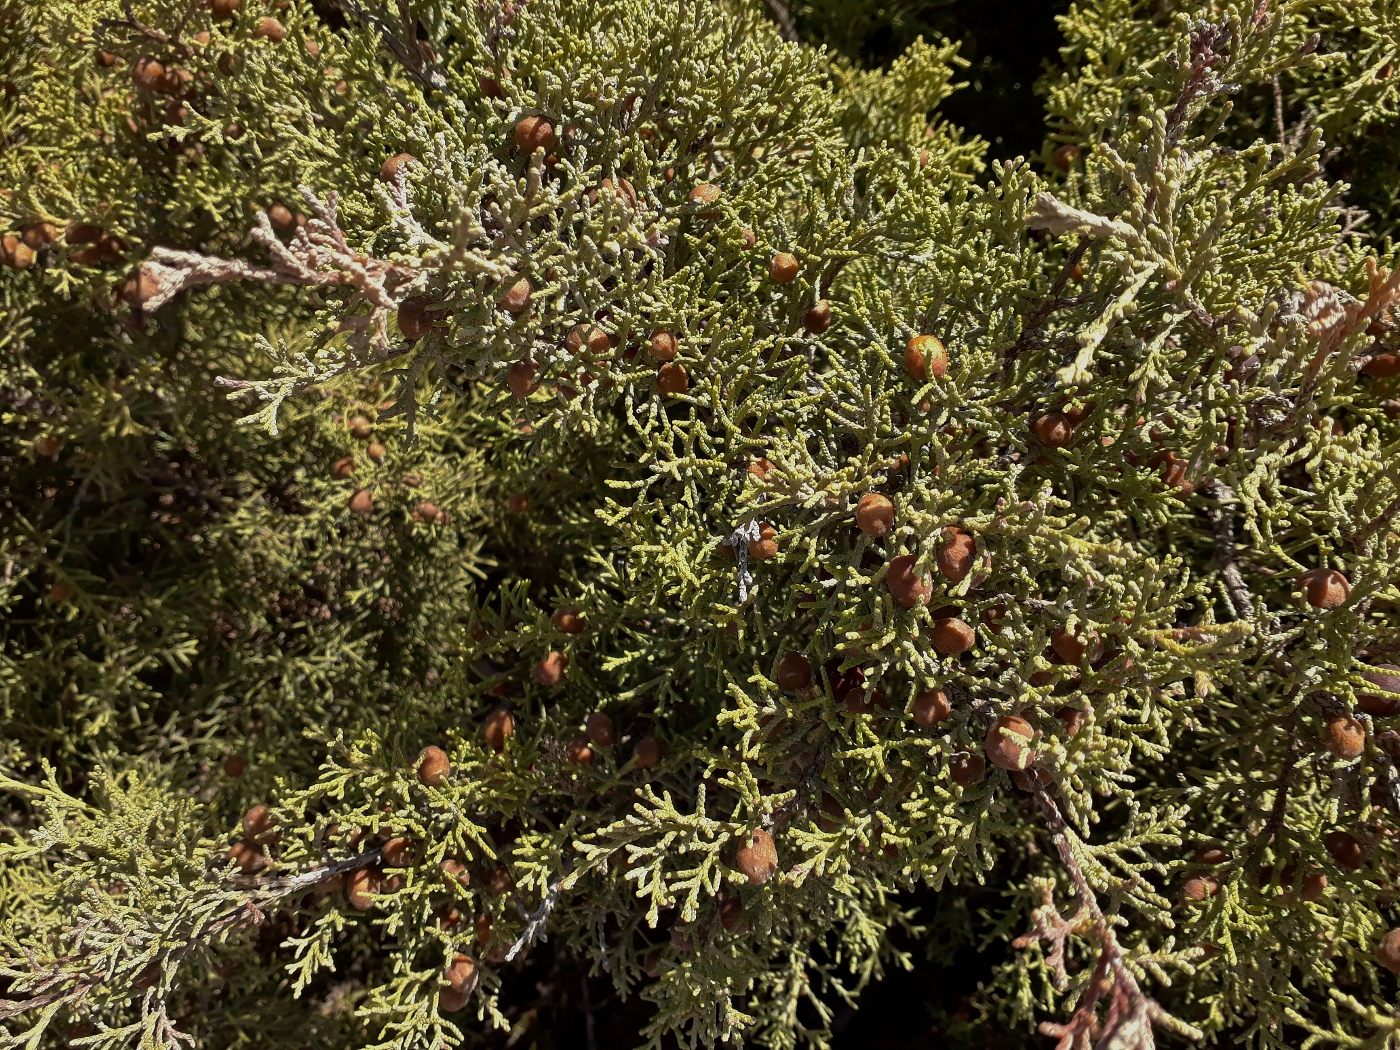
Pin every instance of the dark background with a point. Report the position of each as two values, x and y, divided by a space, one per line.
1010 43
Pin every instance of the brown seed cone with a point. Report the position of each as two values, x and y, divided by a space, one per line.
599 729
248 856
1010 743
549 671
932 706
450 1001
663 346
148 74
956 557
760 468
389 170
794 672
592 336
1324 588
1344 736
907 587
1384 701
48 446
818 318
427 512
15 254
1210 855
951 636
460 973
1077 412
83 233
516 297
37 234
361 888
139 288
522 378
498 728
281 217
175 81
269 28
622 189
535 133
1313 886
433 766
456 871
398 851
482 928
672 379
1064 155
875 514
783 268
569 620
766 546
1073 648
258 822
647 752
967 769
1173 470
579 752
1388 951
1382 365
1199 888
1073 719
362 502
1345 850
757 860
703 198
1053 429
414 320
924 356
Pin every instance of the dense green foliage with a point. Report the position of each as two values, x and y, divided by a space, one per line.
818 550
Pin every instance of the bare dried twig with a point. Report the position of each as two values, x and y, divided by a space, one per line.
1128 1018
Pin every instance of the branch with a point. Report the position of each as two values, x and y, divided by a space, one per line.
418 59
318 255
1054 300
53 983
1282 786
1224 524
778 11
1380 521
